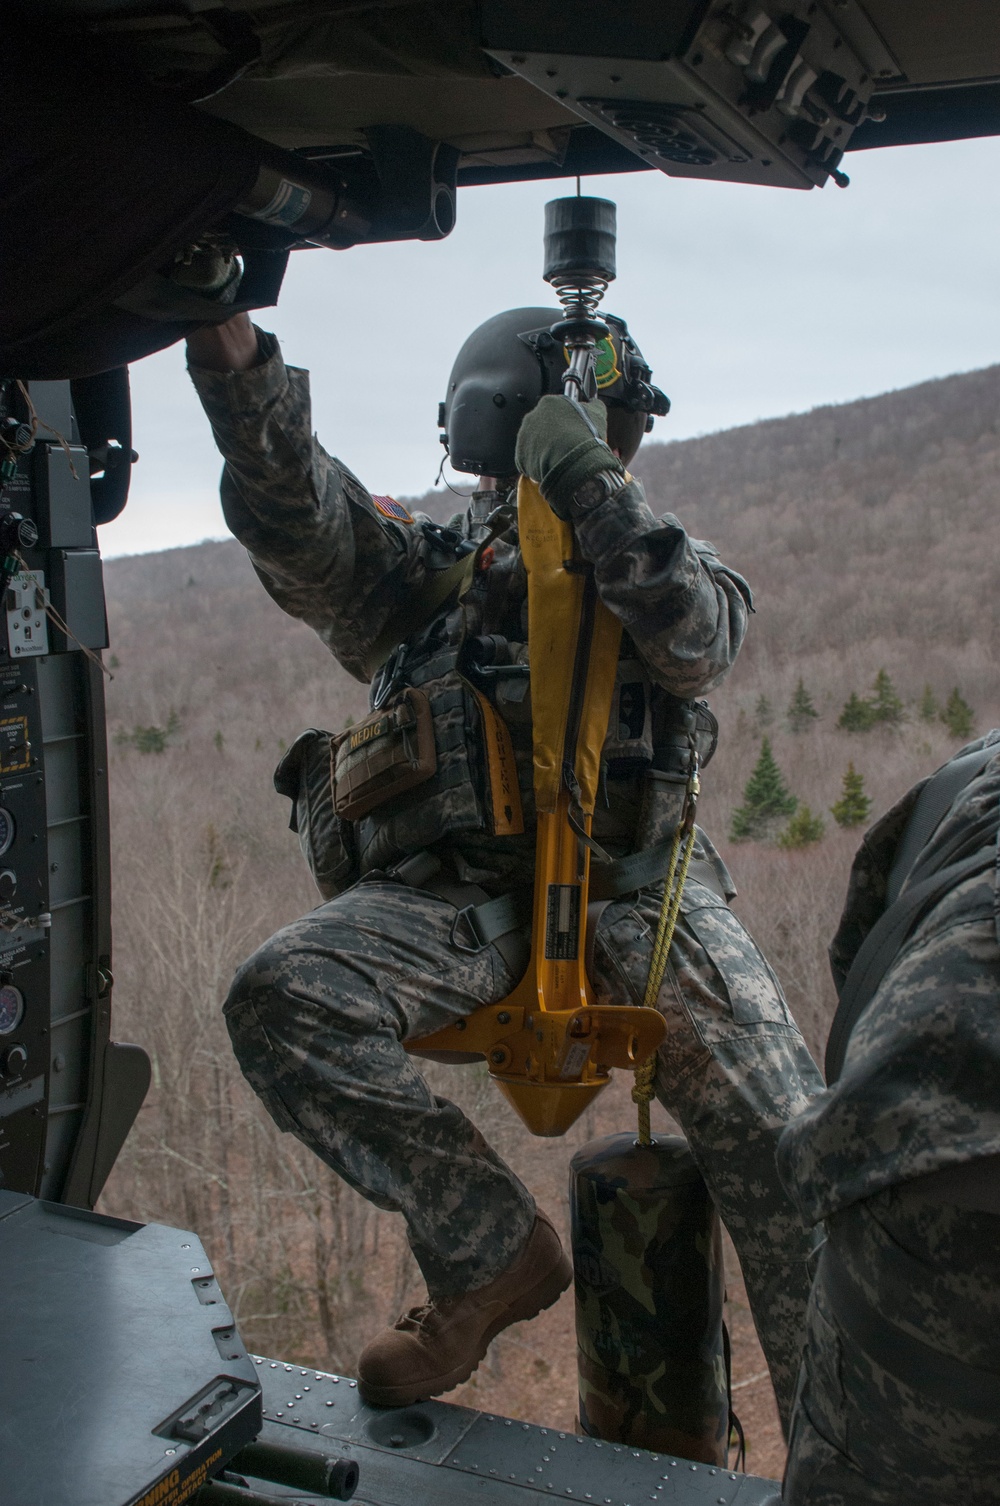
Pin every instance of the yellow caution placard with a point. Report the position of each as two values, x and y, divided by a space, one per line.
15 749
181 1483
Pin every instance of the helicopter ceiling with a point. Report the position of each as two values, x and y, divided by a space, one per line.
130 130
763 91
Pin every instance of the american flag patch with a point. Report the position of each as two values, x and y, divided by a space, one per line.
390 508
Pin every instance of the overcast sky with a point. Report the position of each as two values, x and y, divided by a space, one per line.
748 302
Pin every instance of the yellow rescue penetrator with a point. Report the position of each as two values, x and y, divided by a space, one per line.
551 1044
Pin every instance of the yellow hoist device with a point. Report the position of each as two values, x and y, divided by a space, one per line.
551 1044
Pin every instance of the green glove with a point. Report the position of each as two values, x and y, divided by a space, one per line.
557 446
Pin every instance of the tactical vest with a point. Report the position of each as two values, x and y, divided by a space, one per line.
451 702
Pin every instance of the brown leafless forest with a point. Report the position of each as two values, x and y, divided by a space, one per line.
868 532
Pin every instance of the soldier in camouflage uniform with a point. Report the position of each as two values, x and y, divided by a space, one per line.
900 1392
319 1014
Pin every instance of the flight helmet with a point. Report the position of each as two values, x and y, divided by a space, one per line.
511 361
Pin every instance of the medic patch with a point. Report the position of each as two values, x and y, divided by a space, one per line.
606 369
390 508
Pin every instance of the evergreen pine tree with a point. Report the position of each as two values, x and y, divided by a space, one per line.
802 830
856 715
853 806
885 704
765 799
763 713
928 709
958 715
801 712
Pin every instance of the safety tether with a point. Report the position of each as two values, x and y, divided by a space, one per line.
673 890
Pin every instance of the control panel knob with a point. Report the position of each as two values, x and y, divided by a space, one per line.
17 532
16 435
14 1062
8 885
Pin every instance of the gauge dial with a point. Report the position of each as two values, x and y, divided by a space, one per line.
11 1008
7 830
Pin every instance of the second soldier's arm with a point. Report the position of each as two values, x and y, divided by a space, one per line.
316 539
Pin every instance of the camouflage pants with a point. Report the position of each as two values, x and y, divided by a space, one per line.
319 1014
902 1409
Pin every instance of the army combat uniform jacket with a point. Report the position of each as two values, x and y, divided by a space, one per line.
319 1014
356 569
900 1398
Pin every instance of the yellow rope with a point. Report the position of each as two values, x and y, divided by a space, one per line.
673 890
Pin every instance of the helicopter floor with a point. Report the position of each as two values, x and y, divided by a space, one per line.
434 1452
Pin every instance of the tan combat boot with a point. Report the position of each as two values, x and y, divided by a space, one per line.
433 1348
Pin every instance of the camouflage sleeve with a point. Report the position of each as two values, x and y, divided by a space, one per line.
316 539
918 1090
684 609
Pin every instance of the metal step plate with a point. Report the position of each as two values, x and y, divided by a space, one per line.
437 1453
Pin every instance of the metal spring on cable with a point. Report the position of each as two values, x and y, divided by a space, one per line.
579 296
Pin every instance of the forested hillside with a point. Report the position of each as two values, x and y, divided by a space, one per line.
869 533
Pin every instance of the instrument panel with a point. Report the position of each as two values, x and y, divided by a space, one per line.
67 1092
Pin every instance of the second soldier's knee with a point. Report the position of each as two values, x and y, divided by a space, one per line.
256 976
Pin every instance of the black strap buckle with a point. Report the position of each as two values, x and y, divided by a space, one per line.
468 914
